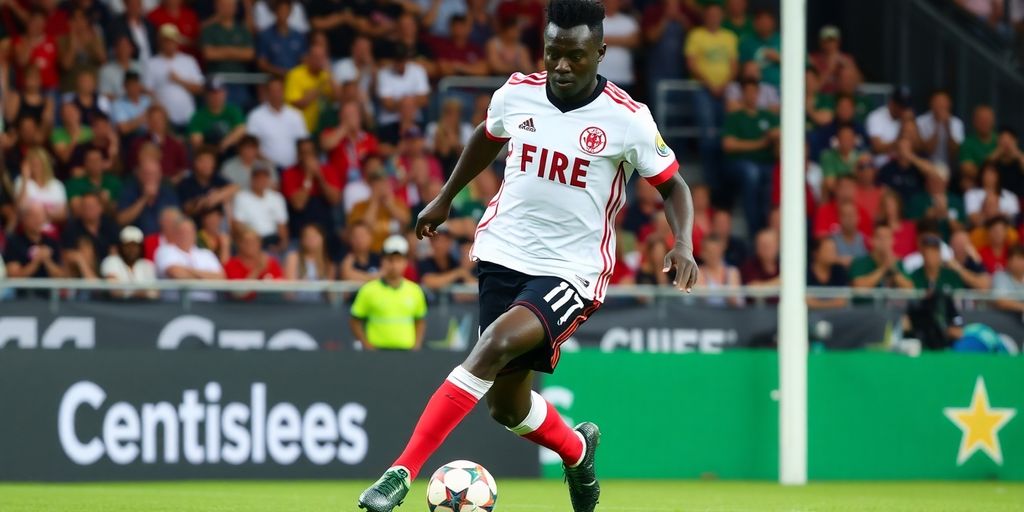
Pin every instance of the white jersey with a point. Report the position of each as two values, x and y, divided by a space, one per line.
565 179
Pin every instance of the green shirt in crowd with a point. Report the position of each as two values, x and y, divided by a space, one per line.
921 202
975 150
752 47
834 165
745 29
60 135
748 126
216 34
81 185
865 265
390 313
947 280
214 127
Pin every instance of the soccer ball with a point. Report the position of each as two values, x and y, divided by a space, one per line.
461 486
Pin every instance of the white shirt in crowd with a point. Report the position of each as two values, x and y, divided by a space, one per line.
881 124
412 82
117 6
278 131
142 271
767 95
355 192
263 16
180 103
170 255
617 65
261 213
465 132
51 195
926 127
1008 202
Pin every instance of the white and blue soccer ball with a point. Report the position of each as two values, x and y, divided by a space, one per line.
462 486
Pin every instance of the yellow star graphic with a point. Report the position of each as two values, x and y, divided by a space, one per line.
980 425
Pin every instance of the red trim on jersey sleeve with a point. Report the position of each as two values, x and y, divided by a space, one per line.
663 176
493 137
610 94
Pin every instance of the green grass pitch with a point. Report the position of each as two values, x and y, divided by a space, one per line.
519 496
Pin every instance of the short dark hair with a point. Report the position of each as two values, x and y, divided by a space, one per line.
998 219
573 13
248 140
1017 251
206 149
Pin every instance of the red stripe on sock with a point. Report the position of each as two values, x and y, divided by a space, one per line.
445 410
558 437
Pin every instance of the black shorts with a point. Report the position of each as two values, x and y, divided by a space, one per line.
556 302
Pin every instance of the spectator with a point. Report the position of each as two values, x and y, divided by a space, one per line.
228 47
212 234
652 263
263 210
849 240
308 86
105 139
37 184
763 46
820 106
441 269
126 265
456 54
1006 283
767 97
134 25
469 205
143 199
348 144
716 273
113 74
389 313
97 180
358 190
412 151
830 61
621 36
845 114
310 262
885 126
129 110
827 219
1009 158
735 247
182 259
29 101
748 142
86 98
340 20
997 246
664 25
278 126
905 174
82 49
826 270
736 18
966 262
72 132
251 263
711 56
382 212
843 160
240 168
402 79
354 75
36 49
98 229
219 122
881 268
441 15
762 269
361 264
937 204
204 189
991 186
162 143
978 146
181 17
312 190
18 144
29 251
904 231
934 274
280 47
264 14
173 76
169 217
406 32
942 133
702 213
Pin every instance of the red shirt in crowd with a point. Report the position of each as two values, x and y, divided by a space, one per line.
293 179
992 260
446 49
350 153
44 56
826 221
57 23
904 239
173 156
236 269
186 21
150 244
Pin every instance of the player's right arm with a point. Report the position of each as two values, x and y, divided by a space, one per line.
485 143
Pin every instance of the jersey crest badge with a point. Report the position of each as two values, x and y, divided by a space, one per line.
660 146
593 140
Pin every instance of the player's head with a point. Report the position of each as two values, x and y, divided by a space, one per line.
573 46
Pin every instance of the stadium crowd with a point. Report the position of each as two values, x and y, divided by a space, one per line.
131 152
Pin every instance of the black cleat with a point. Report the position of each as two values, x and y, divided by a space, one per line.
386 493
584 489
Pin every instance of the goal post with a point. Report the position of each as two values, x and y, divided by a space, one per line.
793 256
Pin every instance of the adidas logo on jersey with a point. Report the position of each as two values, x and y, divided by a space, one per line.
528 125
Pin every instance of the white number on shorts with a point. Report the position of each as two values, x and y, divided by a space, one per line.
560 296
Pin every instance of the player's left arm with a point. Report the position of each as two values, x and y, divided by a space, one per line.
679 211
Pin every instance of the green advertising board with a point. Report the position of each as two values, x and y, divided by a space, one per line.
871 415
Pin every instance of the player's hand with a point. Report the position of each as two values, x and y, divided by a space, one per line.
682 260
435 213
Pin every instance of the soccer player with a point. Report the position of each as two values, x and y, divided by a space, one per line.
546 243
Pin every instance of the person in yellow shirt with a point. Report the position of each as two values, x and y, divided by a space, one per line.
308 85
712 56
389 313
